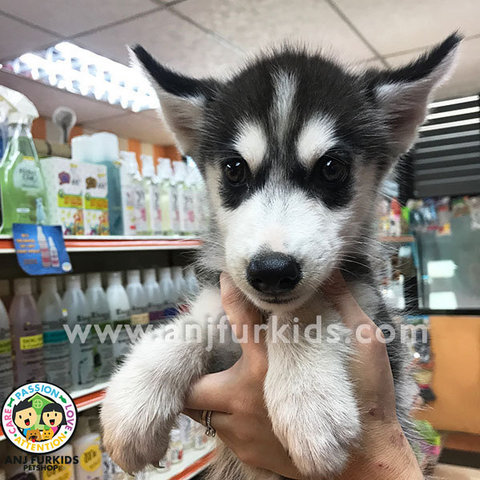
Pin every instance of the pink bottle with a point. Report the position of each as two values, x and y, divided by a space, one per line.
26 333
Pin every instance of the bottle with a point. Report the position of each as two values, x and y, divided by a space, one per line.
44 248
6 367
56 347
119 314
153 294
176 446
191 281
140 201
180 170
137 298
78 319
185 426
5 294
21 181
27 337
86 445
100 317
190 193
181 289
168 197
105 152
64 466
127 171
152 189
53 253
168 292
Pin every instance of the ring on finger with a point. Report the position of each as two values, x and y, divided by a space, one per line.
210 432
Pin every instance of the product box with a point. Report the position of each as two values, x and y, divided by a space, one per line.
64 192
95 196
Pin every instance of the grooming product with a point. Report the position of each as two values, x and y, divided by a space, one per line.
137 298
153 195
86 446
27 337
153 294
56 347
176 446
168 197
78 317
6 367
100 318
168 292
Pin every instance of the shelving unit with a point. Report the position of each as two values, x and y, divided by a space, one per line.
115 243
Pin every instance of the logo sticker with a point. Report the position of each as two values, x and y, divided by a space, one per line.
39 417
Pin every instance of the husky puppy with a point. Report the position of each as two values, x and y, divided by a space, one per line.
293 149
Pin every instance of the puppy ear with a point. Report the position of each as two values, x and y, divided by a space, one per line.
403 94
182 99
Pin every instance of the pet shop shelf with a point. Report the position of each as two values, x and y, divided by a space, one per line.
84 399
112 243
194 462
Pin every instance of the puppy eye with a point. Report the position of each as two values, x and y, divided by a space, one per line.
236 171
333 169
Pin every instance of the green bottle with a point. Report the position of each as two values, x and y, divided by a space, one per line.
21 182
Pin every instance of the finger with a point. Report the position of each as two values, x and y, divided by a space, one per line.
337 291
243 317
210 392
195 415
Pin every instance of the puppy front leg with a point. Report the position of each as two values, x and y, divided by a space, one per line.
147 393
311 403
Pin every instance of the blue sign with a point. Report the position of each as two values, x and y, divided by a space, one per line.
40 249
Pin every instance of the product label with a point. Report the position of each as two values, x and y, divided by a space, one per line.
5 347
31 342
40 249
140 210
27 176
140 319
91 458
61 472
96 199
54 337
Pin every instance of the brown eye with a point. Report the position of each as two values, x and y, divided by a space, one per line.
334 171
236 171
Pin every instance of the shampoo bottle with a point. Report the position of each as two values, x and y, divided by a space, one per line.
154 296
119 314
152 188
27 337
78 319
180 170
6 368
100 317
56 347
86 446
137 298
168 198
181 289
167 288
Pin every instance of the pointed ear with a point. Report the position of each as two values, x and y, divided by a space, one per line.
182 99
403 94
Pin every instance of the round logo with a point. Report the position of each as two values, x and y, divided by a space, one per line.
39 417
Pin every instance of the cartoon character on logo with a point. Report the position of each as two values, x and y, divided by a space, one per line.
53 417
25 417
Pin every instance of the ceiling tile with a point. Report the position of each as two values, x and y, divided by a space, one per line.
254 24
135 125
395 26
17 38
76 17
171 39
465 79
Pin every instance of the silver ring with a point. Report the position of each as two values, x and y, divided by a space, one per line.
210 432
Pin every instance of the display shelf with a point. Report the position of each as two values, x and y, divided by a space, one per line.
84 399
400 239
116 243
194 462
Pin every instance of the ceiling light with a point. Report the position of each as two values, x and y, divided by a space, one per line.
69 67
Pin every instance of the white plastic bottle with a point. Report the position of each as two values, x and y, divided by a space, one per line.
181 288
56 347
78 317
152 195
168 197
137 298
100 316
140 201
154 296
191 281
6 367
119 314
190 193
176 446
169 294
86 446
180 171
64 467
127 170
26 332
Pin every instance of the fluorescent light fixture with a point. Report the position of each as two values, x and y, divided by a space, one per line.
69 67
454 101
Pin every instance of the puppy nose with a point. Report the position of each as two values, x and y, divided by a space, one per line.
273 272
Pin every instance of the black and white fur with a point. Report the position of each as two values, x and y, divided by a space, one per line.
283 114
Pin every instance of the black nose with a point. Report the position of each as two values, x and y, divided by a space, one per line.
273 273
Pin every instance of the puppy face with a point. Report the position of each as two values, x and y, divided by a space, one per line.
293 149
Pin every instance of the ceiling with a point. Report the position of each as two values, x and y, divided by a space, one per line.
211 36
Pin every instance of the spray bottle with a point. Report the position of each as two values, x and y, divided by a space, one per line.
168 197
21 180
